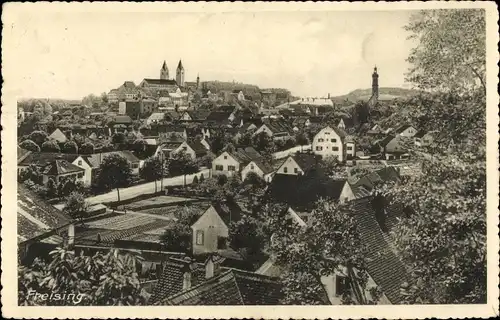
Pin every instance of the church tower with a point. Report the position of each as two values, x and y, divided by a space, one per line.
179 77
375 84
164 71
198 82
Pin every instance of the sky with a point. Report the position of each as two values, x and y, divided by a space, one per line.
72 54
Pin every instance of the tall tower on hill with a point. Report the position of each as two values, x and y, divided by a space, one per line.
179 77
164 71
375 84
198 81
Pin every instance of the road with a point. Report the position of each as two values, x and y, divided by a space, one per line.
145 188
286 153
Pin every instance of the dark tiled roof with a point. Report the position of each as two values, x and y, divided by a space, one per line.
348 121
170 82
44 158
218 116
228 211
198 148
35 216
60 166
383 265
306 161
264 166
232 287
171 280
420 134
245 155
96 159
198 114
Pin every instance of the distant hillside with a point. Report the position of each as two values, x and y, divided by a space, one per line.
385 93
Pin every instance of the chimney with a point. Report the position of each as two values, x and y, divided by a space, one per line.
209 267
186 281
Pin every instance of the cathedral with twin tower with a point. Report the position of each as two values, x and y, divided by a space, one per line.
179 74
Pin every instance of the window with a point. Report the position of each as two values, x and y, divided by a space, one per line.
349 148
219 167
318 148
231 168
225 157
335 148
320 140
334 140
79 162
327 133
80 175
285 169
340 285
184 148
295 170
252 166
199 237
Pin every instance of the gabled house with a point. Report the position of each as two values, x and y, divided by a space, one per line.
59 169
275 129
211 229
58 136
42 159
231 163
330 142
195 149
96 159
40 226
383 264
406 131
362 187
195 115
155 117
398 148
298 164
220 118
260 168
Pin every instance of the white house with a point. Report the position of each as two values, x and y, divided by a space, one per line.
195 149
211 229
329 142
231 163
423 138
298 164
261 169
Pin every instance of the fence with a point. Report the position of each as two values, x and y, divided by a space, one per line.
286 153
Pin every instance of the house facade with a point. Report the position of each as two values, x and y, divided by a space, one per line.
207 231
329 142
261 169
226 164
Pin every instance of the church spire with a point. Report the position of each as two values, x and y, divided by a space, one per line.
164 71
374 85
179 75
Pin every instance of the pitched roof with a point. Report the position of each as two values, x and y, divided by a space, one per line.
170 82
306 161
171 280
198 148
228 211
35 216
198 114
264 166
96 159
402 128
60 166
156 116
218 116
420 134
44 158
232 287
245 155
383 265
348 121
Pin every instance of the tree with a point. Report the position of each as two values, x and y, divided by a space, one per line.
114 172
451 50
229 148
264 144
152 170
330 243
361 112
70 147
245 139
332 166
104 279
118 138
246 234
38 137
87 148
301 139
50 146
76 206
31 173
104 98
52 188
29 145
177 237
181 163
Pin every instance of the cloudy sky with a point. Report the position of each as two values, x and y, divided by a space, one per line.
72 54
